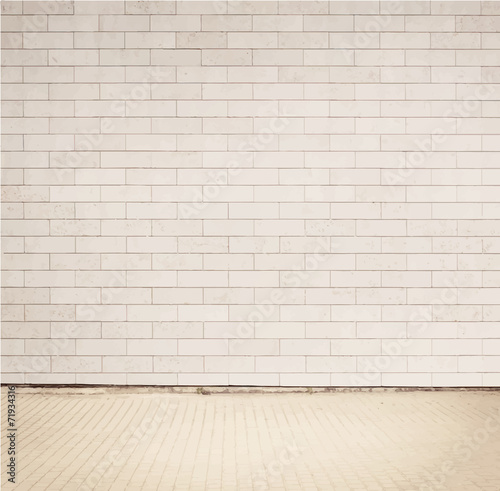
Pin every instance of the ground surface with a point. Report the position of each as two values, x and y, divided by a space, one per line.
133 439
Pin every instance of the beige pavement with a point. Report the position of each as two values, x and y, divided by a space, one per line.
153 439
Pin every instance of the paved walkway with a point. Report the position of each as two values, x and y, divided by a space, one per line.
150 439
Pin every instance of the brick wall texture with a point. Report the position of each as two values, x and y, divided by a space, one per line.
251 193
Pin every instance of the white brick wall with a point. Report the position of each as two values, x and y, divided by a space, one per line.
256 193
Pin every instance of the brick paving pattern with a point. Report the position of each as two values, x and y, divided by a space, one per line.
151 439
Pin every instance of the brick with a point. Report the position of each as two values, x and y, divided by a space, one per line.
72 23
211 193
